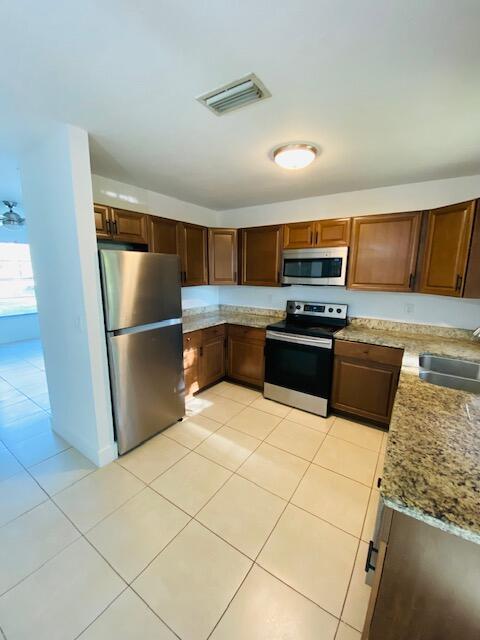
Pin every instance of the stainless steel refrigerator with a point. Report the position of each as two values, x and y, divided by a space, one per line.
143 319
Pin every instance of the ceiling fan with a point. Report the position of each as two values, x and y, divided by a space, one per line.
11 218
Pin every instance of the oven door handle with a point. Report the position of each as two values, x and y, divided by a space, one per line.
310 341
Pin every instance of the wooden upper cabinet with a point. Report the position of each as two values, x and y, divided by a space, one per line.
163 235
193 252
447 242
299 235
129 226
322 233
333 233
472 278
383 252
102 221
261 254
222 256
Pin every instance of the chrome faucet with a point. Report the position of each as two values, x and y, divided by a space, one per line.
476 333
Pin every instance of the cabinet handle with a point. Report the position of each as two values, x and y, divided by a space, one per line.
201 351
235 276
411 281
458 284
108 224
316 237
115 228
368 564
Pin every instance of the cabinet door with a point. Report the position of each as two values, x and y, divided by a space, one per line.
192 343
333 233
163 235
102 221
383 252
427 585
447 242
212 361
246 355
365 379
222 255
299 235
472 278
130 226
193 247
261 255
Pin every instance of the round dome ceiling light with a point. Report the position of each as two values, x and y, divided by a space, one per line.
294 156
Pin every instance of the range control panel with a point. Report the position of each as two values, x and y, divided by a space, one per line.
318 309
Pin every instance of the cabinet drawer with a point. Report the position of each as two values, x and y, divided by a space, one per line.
371 352
213 332
192 339
248 333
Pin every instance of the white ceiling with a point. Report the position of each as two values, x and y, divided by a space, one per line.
389 89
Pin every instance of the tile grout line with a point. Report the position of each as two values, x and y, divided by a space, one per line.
287 502
359 542
95 550
189 516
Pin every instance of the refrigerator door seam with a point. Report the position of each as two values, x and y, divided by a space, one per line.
145 327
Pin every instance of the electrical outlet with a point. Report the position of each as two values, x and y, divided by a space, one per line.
410 308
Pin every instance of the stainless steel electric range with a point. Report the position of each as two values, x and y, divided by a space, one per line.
299 355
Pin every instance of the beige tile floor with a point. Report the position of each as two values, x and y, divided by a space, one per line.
248 520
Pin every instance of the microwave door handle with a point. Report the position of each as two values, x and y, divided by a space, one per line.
321 343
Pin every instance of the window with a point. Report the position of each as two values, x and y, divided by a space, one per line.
17 292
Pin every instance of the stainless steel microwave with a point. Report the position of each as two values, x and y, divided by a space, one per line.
326 266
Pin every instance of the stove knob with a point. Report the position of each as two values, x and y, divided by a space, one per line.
330 310
339 311
298 307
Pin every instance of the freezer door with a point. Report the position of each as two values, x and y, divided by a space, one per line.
139 288
148 390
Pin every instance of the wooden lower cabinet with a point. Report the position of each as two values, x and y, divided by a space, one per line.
224 350
212 355
425 583
246 354
203 358
365 379
192 343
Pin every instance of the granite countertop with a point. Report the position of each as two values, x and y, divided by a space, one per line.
248 317
432 462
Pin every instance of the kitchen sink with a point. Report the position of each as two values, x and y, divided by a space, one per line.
450 372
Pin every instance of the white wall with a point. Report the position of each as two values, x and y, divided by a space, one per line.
57 191
199 296
14 328
127 196
405 197
402 307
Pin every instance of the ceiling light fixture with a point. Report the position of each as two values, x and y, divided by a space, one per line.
294 156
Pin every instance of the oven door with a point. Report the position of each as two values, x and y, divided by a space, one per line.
298 370
315 266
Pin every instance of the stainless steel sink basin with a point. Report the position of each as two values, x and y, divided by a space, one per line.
450 372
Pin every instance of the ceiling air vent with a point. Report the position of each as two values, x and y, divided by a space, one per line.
235 94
